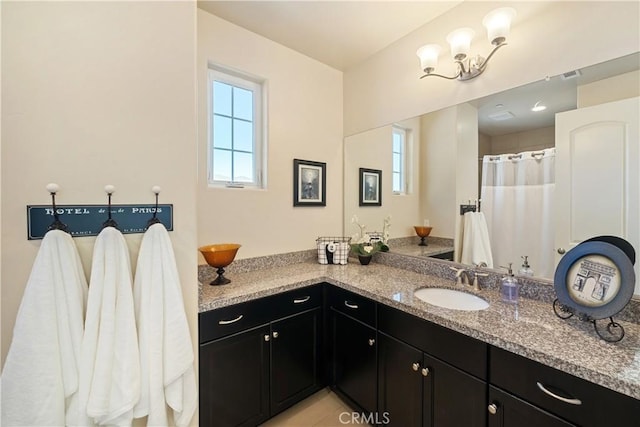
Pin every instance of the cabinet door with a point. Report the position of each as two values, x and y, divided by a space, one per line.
295 359
399 382
354 360
506 410
452 398
234 379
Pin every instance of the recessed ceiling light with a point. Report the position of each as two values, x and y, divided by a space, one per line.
538 107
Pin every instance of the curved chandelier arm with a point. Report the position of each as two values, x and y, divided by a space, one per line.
484 64
440 75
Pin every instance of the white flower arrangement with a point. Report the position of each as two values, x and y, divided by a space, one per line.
369 243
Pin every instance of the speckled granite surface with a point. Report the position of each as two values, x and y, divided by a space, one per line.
409 246
529 328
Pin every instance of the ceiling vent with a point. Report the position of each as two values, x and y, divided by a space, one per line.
503 115
570 75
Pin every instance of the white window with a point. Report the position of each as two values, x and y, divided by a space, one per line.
236 144
399 151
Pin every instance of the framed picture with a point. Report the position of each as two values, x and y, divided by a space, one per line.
370 187
309 183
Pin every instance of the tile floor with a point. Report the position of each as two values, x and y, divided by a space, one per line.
321 409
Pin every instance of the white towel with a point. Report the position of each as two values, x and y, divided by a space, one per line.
40 376
110 361
166 350
476 247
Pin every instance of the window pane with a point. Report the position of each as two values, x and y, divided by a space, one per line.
396 183
221 165
242 103
396 162
242 136
243 167
221 98
221 132
396 143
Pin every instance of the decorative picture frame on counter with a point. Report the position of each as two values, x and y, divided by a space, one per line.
309 183
595 280
370 193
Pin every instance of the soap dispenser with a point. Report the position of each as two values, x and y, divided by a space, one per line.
526 269
509 286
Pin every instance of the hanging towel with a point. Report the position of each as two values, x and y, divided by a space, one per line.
110 361
476 247
40 375
166 350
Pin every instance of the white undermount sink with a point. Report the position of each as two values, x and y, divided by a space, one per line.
450 298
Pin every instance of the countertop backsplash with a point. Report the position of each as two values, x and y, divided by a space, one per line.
532 288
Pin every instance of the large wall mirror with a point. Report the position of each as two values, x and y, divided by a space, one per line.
455 156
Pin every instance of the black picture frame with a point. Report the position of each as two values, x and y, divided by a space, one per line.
370 193
309 183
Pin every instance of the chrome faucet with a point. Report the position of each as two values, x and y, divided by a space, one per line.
462 276
465 277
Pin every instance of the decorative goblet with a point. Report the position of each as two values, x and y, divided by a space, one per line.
219 256
423 232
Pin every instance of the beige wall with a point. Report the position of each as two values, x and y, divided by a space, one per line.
372 150
531 140
607 90
547 38
97 93
304 122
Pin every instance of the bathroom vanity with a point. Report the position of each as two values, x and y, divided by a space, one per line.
278 335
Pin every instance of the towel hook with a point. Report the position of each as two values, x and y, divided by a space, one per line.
53 188
154 219
110 222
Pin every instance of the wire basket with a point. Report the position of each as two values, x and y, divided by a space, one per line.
333 250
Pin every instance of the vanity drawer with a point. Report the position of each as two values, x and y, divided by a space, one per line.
457 349
574 399
234 318
295 301
353 305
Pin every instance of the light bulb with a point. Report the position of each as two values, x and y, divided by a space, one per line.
460 42
498 24
428 55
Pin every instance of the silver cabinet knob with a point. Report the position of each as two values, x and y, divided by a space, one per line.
493 409
371 342
275 334
425 372
267 337
415 366
561 251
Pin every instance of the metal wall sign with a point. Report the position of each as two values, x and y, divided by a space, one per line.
86 220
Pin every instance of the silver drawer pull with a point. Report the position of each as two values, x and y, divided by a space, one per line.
350 305
301 300
226 322
563 399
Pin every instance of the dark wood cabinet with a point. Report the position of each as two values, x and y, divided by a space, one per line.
506 410
234 379
354 361
417 389
295 358
250 375
566 396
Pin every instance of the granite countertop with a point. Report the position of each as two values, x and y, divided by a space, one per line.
430 250
529 328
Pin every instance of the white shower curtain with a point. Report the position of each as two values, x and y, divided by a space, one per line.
517 200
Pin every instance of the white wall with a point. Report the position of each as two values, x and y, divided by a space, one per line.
304 122
97 93
372 150
547 38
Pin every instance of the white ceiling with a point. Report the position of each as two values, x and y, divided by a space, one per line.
337 33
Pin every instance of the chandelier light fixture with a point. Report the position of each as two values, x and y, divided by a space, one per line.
497 23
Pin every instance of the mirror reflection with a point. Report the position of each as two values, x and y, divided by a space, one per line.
501 156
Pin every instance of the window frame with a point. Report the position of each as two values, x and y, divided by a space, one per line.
258 88
404 133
